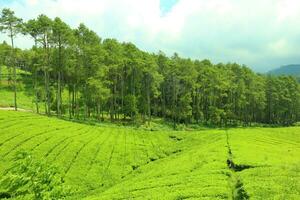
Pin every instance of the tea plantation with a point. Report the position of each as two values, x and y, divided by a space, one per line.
106 162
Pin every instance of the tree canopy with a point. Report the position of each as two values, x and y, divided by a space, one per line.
107 77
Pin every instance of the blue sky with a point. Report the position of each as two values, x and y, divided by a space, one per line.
166 5
262 34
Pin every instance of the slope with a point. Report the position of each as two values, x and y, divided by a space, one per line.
292 70
123 163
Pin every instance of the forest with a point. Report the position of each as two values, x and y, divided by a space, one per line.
76 73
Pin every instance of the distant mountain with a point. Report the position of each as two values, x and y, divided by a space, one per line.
293 70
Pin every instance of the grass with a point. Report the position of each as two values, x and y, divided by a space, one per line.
125 163
25 97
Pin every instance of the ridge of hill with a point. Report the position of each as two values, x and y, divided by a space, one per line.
293 70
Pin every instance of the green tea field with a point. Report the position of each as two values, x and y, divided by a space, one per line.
103 162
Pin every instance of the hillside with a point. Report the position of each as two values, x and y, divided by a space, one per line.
25 93
124 163
148 101
77 73
293 70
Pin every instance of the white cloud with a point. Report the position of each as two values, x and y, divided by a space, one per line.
259 33
288 10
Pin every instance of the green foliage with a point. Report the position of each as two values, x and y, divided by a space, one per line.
76 74
9 23
216 115
111 162
32 179
130 108
73 72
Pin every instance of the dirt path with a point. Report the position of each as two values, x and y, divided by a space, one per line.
12 108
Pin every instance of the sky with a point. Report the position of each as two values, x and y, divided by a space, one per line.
262 34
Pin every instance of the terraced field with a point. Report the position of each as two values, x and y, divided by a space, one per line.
127 163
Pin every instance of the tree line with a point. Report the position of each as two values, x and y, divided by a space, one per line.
76 73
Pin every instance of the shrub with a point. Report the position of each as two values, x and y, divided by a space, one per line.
32 179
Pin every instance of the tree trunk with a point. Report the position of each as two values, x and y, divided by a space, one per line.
59 78
163 101
76 102
36 92
70 102
46 75
85 101
115 99
58 93
45 82
149 102
112 101
174 103
73 100
15 88
122 96
14 68
48 93
98 110
0 75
